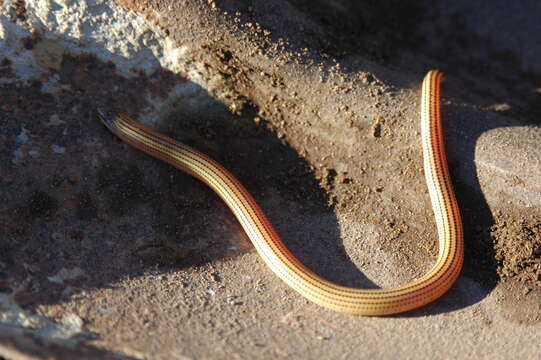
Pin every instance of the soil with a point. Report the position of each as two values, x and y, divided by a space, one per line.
316 112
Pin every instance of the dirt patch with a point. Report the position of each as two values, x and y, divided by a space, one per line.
517 245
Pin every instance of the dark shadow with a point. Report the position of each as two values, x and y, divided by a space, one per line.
75 197
378 30
414 36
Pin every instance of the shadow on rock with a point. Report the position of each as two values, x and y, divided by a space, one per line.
83 210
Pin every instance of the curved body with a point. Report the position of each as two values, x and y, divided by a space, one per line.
277 256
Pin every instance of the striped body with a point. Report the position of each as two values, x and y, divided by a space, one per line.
276 255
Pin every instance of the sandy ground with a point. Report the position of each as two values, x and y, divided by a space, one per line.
107 253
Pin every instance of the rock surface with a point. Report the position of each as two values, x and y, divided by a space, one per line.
107 253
